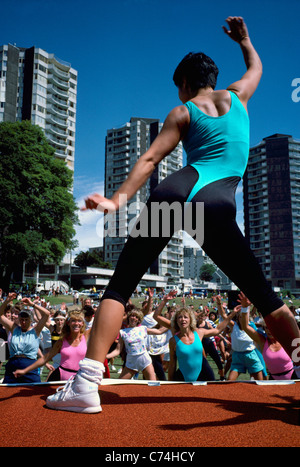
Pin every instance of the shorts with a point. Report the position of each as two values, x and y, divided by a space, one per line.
138 362
246 361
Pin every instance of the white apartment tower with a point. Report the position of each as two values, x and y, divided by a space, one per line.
123 147
36 85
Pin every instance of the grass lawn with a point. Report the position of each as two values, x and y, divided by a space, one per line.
68 299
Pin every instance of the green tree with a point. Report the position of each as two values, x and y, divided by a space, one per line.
207 272
37 208
93 258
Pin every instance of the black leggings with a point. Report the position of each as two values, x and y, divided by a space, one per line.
158 367
210 349
223 241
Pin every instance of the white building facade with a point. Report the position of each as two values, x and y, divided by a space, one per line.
36 85
124 146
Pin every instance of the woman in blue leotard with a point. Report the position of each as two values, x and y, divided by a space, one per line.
214 128
186 345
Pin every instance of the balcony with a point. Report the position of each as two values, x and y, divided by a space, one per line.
56 71
61 113
60 93
57 142
56 131
53 120
58 82
58 102
60 154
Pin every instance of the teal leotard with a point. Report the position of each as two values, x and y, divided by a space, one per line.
221 142
190 357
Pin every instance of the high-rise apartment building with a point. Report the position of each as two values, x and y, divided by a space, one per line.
272 208
194 259
123 147
35 85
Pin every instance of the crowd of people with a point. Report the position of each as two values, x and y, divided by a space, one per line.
158 340
37 335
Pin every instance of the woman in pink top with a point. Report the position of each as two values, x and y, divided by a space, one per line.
72 347
278 363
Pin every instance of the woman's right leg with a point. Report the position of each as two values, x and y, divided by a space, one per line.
137 256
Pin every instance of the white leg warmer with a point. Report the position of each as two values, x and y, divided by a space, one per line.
91 370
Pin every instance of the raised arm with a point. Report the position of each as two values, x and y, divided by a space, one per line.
244 321
157 314
221 326
221 310
246 86
148 309
38 316
159 309
171 133
7 323
44 313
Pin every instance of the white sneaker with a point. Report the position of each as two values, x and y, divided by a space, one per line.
78 395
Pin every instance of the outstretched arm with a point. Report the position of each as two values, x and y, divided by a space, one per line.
40 361
116 352
157 314
167 140
246 86
157 332
221 326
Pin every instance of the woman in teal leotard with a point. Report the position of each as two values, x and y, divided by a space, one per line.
213 126
186 345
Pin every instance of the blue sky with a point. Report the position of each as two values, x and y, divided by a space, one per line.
125 52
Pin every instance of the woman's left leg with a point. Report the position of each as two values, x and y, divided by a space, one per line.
225 244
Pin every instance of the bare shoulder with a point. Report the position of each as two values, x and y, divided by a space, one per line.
200 332
222 99
178 119
179 114
221 94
